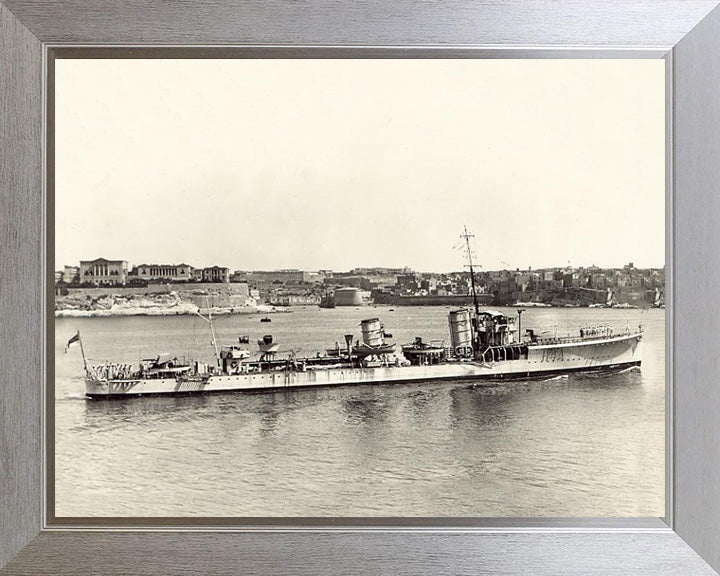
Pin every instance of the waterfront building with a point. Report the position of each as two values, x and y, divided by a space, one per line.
70 274
284 276
376 271
171 272
523 281
288 276
625 280
294 299
102 272
351 281
348 297
599 281
216 274
570 280
408 282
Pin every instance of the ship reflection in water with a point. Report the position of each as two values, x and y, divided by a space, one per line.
570 445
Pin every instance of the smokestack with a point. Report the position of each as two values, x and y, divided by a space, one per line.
348 342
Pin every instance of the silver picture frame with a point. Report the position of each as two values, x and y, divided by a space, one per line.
685 33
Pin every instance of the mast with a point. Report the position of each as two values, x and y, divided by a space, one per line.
214 338
212 331
467 237
82 351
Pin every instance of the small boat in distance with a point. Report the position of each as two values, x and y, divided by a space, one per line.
265 319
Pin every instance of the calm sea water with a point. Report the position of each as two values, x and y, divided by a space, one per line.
576 445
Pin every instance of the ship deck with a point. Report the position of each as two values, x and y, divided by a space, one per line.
582 340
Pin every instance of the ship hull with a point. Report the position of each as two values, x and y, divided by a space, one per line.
541 361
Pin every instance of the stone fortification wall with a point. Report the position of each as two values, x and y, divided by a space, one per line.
155 300
240 288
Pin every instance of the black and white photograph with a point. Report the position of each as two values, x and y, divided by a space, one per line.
368 288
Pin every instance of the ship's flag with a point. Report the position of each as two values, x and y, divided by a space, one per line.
72 342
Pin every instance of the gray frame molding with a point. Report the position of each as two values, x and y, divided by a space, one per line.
688 29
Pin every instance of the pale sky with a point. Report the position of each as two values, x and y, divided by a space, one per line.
336 164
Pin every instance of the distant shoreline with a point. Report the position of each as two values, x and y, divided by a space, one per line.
267 309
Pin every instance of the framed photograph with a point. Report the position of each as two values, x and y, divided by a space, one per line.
509 381
331 292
